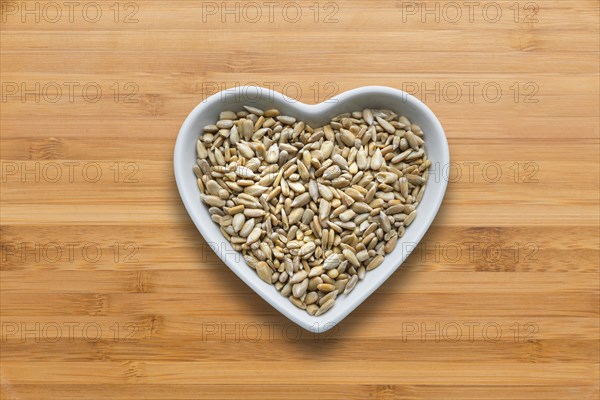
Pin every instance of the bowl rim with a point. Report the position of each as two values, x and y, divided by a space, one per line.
298 316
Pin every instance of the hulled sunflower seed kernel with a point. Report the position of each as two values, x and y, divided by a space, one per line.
312 209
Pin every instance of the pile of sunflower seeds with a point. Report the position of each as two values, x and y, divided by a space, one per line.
312 209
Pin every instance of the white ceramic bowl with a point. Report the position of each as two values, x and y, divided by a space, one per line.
207 113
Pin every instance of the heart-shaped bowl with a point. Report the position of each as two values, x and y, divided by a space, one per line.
234 99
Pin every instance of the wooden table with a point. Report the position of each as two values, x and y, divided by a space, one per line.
108 290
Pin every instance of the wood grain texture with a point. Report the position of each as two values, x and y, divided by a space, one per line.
108 291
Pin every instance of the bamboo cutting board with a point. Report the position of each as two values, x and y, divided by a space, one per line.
108 291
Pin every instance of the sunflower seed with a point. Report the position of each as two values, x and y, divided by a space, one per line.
312 309
351 284
410 218
377 160
312 209
386 125
264 272
333 261
299 289
286 120
301 200
326 287
375 262
254 110
213 201
368 116
297 302
351 257
254 235
311 298
325 307
299 276
245 150
327 297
